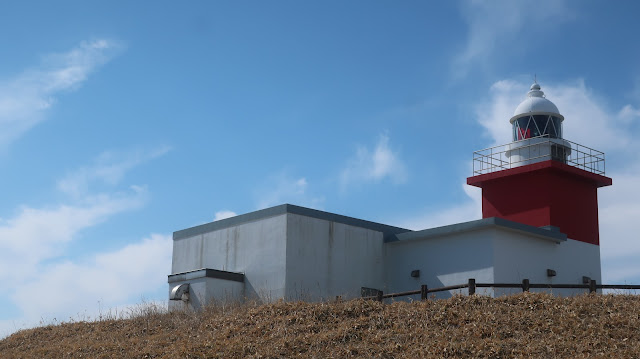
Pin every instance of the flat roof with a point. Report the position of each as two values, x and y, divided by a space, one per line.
551 233
388 231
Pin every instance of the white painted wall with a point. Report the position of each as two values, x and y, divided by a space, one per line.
490 255
205 290
256 249
328 259
304 258
442 261
519 257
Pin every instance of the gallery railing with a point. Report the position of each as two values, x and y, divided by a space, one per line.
538 149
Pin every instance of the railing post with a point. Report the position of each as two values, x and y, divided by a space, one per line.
525 285
592 286
472 286
379 296
424 292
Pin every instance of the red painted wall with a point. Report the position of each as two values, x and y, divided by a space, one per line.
543 194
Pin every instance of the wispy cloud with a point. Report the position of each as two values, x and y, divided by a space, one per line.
493 25
108 168
374 165
629 114
224 214
589 120
33 234
469 210
34 246
25 99
283 188
112 278
493 113
37 234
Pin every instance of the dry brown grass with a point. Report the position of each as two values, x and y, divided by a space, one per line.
523 325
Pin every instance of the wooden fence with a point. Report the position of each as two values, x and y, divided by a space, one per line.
424 291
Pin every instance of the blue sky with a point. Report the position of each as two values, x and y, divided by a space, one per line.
121 122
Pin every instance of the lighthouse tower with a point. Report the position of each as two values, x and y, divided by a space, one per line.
542 179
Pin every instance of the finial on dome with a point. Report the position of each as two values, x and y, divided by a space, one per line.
535 89
535 103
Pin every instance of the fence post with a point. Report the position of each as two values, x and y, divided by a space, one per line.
525 285
379 296
472 286
592 286
424 292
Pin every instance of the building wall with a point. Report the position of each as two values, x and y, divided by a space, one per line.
442 261
326 259
519 257
490 255
256 249
205 290
298 257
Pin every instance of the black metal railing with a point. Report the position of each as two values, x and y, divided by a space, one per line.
471 284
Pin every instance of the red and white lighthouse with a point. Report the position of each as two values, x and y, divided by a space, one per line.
541 179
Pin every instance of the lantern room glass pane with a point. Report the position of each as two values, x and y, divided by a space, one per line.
537 125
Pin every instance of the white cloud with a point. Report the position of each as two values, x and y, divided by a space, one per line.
629 114
588 119
494 112
619 227
35 235
282 188
374 165
501 24
224 214
25 99
111 279
463 212
108 168
33 248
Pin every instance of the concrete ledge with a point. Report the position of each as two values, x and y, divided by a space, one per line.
493 222
284 209
549 165
206 273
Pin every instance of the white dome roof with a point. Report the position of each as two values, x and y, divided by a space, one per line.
535 102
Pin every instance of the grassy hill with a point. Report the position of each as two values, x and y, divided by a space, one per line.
523 325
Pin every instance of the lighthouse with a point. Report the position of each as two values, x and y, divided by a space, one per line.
539 223
540 178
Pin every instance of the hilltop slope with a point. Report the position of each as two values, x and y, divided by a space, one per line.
523 325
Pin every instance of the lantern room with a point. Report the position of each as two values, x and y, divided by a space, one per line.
536 116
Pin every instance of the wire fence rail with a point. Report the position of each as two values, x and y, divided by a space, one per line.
424 290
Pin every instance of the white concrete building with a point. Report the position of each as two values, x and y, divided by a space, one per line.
296 253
